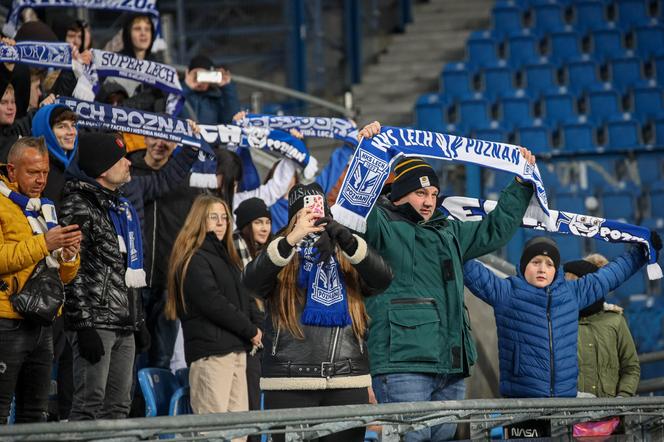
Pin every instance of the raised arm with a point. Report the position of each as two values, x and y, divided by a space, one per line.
484 284
274 189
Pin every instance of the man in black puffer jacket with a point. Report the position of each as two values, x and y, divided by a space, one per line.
103 305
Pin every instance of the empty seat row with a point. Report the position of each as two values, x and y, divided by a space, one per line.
486 49
585 15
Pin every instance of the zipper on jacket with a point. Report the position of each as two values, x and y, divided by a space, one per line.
361 342
551 361
276 341
105 287
413 301
154 240
334 343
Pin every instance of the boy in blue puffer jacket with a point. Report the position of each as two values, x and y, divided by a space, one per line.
537 315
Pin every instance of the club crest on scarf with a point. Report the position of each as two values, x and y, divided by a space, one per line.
367 174
326 302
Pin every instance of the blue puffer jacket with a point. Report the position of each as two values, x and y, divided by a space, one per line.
537 328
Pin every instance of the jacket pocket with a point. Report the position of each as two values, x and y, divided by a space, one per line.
414 332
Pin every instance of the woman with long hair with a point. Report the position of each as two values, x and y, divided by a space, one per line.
314 279
205 292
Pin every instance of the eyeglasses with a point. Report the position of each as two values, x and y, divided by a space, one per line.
218 218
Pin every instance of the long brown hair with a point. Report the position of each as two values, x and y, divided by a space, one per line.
189 239
287 299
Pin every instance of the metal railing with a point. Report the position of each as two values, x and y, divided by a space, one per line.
643 418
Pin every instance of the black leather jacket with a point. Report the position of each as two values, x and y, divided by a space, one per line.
98 296
324 351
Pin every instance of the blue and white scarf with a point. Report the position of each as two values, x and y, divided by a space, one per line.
326 303
128 230
148 7
120 119
273 141
111 64
40 213
601 229
40 54
370 166
318 127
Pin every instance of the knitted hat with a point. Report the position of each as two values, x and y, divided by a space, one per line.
201 62
580 267
411 174
297 194
540 245
250 210
98 152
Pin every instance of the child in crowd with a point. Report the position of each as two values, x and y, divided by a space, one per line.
537 315
608 363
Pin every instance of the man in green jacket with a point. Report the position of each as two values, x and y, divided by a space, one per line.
608 363
420 345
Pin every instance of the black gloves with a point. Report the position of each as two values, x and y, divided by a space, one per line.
341 234
142 339
325 246
89 345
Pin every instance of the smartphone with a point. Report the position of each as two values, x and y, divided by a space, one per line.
316 204
208 77
73 219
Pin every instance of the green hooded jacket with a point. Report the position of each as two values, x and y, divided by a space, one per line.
420 323
608 363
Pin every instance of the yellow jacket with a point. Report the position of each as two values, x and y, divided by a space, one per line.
20 251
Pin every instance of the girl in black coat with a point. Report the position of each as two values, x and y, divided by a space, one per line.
206 294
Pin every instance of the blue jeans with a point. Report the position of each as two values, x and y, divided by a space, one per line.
420 387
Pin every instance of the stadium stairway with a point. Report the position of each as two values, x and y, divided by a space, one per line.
413 59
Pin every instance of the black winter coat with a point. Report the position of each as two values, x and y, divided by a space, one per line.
98 296
217 318
324 351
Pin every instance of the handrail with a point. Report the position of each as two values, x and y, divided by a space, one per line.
398 418
252 82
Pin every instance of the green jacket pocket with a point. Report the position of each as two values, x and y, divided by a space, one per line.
412 327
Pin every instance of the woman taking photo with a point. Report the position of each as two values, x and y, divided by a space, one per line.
313 279
206 294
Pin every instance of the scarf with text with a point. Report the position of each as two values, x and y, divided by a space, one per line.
473 209
274 141
111 64
128 230
40 213
370 166
317 127
326 302
148 7
40 54
120 119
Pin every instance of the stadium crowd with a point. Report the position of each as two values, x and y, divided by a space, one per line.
110 261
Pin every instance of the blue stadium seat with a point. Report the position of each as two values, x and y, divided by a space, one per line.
618 205
647 102
489 134
506 19
589 15
571 247
623 134
581 76
429 112
635 285
158 386
578 137
657 204
607 43
180 403
602 104
625 72
481 50
650 168
522 49
631 13
455 81
182 376
539 77
535 138
548 18
473 114
498 82
558 107
564 46
659 67
597 179
515 111
570 202
658 124
649 41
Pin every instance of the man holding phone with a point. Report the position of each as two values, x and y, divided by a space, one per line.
210 95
